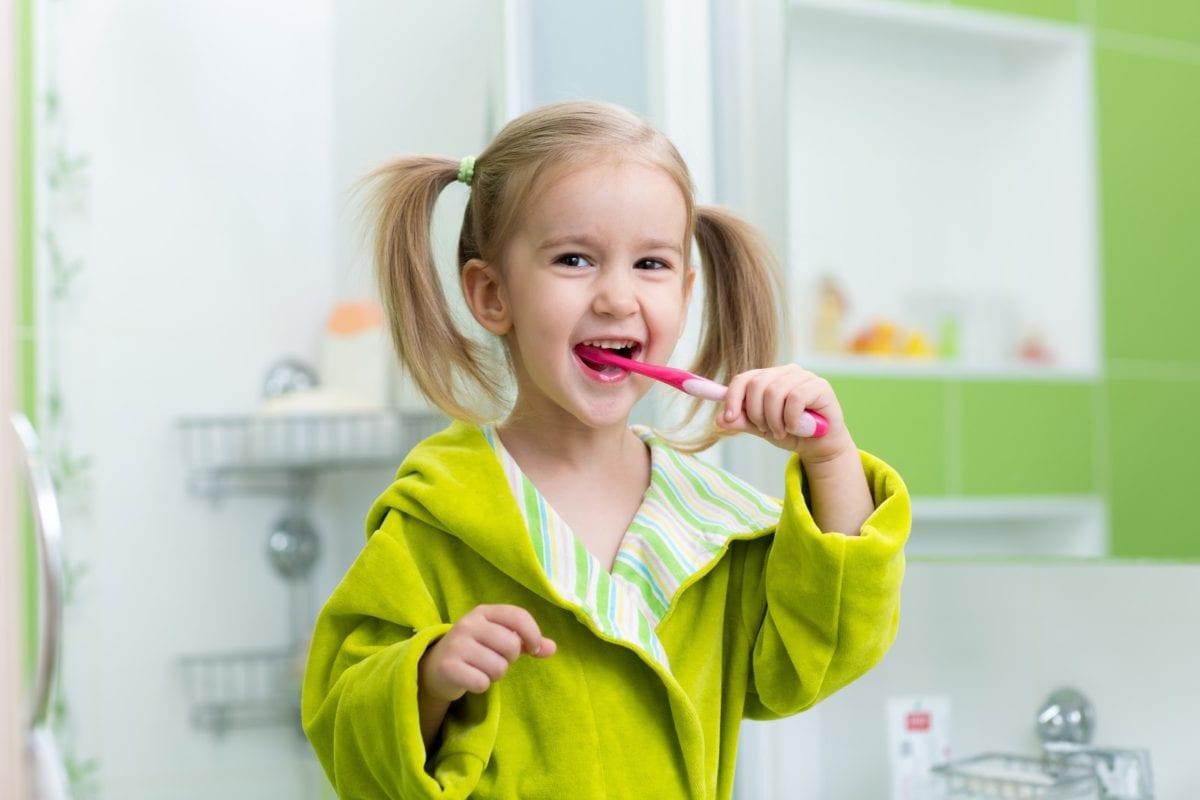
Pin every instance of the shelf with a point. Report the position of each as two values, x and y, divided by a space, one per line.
940 166
252 688
1004 775
263 453
883 367
1066 526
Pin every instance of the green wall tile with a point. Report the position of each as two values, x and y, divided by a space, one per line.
1149 119
901 421
1155 440
1169 19
25 351
1028 438
1059 10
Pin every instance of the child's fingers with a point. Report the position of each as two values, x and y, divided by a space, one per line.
772 403
796 419
733 401
492 664
467 678
776 395
500 639
519 621
446 671
744 400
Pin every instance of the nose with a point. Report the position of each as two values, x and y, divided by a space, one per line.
615 295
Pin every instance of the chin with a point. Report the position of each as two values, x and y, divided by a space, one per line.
607 416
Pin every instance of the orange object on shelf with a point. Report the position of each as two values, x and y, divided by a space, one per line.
878 339
351 317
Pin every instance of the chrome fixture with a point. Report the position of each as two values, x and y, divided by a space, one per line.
1065 725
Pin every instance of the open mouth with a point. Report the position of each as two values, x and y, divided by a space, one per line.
625 348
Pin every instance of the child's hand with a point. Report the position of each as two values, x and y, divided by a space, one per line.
771 403
478 650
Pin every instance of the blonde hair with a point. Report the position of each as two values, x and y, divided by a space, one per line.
741 319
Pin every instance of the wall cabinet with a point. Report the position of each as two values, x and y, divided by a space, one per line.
934 167
927 174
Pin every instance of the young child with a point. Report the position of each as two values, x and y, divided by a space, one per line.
560 605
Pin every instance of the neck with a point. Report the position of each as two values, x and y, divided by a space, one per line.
573 447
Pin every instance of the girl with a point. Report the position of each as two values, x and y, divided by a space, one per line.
560 605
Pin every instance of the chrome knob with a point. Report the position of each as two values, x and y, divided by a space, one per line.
1066 716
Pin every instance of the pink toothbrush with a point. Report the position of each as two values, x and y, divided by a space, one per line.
685 382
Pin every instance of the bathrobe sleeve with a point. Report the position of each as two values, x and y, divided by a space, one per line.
827 605
359 703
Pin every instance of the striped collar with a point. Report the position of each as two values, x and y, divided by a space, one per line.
689 512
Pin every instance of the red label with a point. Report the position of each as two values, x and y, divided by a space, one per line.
918 721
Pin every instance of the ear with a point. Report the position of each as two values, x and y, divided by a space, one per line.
689 282
485 296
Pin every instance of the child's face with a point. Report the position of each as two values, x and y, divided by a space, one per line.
598 257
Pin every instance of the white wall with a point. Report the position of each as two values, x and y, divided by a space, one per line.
997 639
207 255
221 140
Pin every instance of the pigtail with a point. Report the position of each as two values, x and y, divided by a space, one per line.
741 316
446 364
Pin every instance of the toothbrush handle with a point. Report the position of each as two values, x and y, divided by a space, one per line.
812 424
704 388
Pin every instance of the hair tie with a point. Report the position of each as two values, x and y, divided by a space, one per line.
466 170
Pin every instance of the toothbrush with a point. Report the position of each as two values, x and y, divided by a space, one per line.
686 382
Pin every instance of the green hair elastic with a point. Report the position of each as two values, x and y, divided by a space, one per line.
466 170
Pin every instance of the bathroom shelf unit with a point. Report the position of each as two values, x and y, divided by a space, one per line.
936 162
266 454
279 454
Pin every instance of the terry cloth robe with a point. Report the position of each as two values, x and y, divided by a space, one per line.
778 619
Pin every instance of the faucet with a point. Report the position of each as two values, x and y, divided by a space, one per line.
1065 725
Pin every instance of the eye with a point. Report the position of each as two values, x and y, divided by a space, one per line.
573 260
651 264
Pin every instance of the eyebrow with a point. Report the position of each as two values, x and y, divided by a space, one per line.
589 241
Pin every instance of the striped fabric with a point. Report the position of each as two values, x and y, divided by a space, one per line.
689 511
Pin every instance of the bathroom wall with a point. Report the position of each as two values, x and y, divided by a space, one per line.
207 137
997 639
214 231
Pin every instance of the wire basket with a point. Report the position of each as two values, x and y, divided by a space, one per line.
251 688
223 452
998 775
302 441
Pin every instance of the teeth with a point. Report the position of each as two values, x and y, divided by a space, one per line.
611 344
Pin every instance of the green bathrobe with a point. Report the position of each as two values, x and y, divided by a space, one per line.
778 619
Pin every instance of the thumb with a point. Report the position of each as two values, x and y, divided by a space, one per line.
547 648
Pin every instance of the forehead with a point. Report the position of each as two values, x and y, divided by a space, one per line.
629 194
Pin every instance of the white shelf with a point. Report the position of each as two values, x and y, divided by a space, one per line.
940 166
276 453
1066 526
880 367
